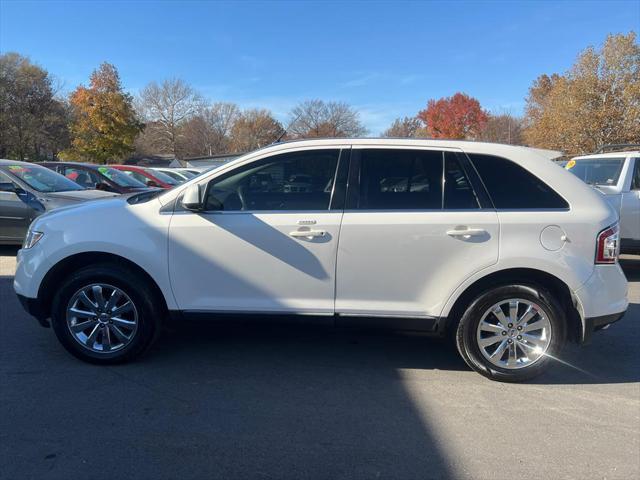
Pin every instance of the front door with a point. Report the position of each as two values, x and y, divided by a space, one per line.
413 229
267 240
15 215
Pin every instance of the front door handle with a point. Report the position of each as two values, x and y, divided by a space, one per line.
466 232
307 233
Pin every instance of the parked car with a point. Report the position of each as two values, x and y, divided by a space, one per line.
179 175
28 190
149 177
99 177
617 176
506 253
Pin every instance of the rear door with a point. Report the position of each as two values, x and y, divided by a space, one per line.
413 230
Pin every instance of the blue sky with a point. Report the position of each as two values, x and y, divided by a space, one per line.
385 58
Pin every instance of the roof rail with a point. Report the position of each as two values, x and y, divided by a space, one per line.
616 146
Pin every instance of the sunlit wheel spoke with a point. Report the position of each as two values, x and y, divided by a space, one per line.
513 311
102 318
499 314
489 327
532 327
485 342
528 315
514 342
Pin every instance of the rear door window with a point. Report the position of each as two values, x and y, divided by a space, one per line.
401 179
398 179
512 187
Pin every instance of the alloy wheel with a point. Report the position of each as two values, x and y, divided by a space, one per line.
514 333
102 318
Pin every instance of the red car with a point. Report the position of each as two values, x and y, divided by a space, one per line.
150 178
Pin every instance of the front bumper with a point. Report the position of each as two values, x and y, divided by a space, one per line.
34 308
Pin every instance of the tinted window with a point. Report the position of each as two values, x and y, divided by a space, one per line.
458 193
393 179
289 181
512 187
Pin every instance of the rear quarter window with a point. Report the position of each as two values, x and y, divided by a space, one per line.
512 187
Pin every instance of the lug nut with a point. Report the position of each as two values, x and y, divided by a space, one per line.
510 325
519 327
519 337
504 333
509 341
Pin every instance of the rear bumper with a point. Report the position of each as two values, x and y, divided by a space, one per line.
602 299
592 324
34 308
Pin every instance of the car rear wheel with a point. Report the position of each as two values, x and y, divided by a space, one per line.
511 333
106 314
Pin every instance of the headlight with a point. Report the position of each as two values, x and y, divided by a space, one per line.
32 238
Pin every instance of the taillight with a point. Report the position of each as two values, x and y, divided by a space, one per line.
608 245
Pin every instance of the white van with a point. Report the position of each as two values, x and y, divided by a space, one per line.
617 176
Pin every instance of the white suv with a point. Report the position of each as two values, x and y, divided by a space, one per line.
617 176
493 245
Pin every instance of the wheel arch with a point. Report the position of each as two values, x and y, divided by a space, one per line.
526 276
64 267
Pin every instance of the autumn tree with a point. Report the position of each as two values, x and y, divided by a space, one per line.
165 107
596 102
407 127
104 124
457 117
316 118
33 122
503 128
254 129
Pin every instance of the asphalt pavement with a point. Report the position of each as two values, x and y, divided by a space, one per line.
305 402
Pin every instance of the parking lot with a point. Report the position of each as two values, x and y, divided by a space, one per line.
303 402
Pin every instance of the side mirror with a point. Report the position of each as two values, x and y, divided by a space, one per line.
191 198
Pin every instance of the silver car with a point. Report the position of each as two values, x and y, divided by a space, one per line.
28 190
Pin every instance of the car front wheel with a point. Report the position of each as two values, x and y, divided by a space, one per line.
512 333
105 314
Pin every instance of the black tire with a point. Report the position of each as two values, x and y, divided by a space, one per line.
467 343
139 291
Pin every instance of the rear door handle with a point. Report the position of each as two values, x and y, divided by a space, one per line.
466 232
307 233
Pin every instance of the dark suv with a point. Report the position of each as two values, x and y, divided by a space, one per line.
99 177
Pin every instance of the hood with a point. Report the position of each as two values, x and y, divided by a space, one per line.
55 200
79 195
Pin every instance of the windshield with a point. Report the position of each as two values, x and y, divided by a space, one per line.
597 171
120 178
161 176
42 179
